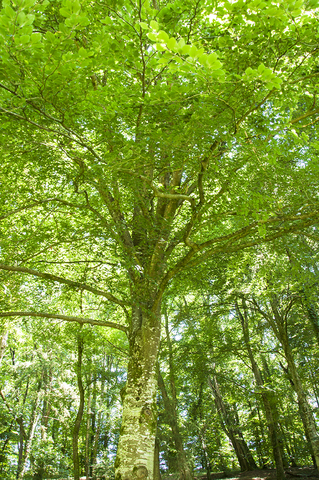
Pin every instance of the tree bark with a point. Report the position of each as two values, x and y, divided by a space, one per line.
135 453
269 406
77 424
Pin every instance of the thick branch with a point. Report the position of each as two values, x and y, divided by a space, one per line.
170 196
71 283
67 318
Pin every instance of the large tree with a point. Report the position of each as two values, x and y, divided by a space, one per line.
139 139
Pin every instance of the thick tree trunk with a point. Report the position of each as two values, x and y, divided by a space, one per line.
135 453
77 424
269 406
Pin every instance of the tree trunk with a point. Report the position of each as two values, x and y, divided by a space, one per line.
3 344
88 438
312 316
232 430
77 424
21 444
135 453
157 472
33 423
170 404
269 406
183 468
309 421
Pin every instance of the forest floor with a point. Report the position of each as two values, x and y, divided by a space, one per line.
296 473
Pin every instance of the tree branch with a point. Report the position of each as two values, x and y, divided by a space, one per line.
67 318
187 262
71 283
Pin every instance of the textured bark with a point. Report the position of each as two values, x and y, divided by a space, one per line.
269 405
77 424
231 427
135 453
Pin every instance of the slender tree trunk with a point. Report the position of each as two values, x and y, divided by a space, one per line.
170 404
183 468
88 438
33 423
3 343
269 405
77 424
313 317
309 422
21 445
232 430
96 441
157 472
206 465
135 453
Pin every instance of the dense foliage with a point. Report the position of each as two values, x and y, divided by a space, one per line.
158 257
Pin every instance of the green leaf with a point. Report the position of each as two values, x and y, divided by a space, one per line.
83 53
203 59
9 12
249 71
144 25
211 58
160 47
261 68
21 18
24 39
181 44
163 36
154 25
84 21
107 21
193 51
186 49
171 43
64 12
212 62
36 37
152 36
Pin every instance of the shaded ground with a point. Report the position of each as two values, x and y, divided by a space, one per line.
298 473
